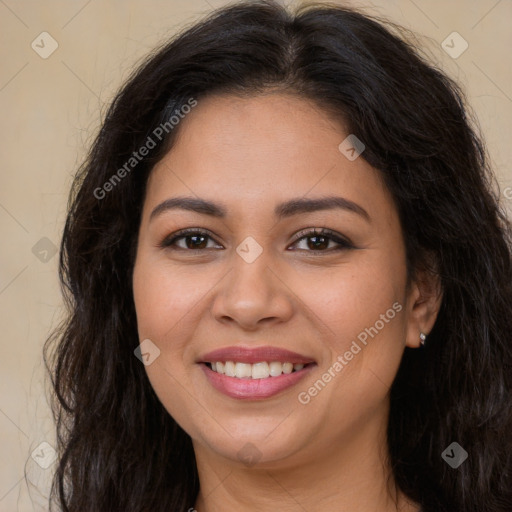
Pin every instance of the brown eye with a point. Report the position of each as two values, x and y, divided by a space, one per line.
320 240
193 240
316 241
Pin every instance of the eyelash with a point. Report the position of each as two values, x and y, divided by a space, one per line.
343 244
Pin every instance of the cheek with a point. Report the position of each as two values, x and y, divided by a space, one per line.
171 303
361 312
351 298
355 379
164 295
164 303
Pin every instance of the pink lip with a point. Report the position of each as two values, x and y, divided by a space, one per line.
253 389
254 355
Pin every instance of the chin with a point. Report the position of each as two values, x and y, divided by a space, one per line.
256 444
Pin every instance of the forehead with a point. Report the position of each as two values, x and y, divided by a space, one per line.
253 148
282 124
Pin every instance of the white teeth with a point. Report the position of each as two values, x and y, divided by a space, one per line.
261 370
276 368
229 368
287 367
243 370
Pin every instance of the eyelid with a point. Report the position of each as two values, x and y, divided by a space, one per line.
333 235
342 241
170 239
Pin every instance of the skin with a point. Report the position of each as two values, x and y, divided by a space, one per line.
250 154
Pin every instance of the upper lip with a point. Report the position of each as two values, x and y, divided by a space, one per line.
254 355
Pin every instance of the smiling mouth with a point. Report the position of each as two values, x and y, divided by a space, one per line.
260 370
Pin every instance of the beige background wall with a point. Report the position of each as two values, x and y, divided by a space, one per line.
50 109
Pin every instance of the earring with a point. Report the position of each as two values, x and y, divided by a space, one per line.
423 337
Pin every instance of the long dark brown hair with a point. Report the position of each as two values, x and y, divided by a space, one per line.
119 449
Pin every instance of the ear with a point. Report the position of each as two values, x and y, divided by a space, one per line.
423 304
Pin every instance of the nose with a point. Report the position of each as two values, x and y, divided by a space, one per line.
252 295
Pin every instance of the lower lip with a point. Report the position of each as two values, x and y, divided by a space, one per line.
254 389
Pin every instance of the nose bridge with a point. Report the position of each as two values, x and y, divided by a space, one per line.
250 277
251 291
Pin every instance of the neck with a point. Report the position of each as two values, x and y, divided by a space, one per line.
353 476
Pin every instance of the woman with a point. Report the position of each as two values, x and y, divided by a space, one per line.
289 282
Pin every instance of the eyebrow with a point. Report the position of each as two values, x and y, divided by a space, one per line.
287 209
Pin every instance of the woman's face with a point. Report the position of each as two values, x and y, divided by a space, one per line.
258 287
